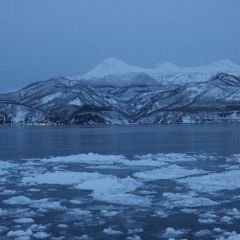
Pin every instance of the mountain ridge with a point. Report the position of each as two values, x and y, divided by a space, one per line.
162 73
65 101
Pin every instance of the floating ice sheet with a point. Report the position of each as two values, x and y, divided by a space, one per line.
213 182
169 172
106 188
148 160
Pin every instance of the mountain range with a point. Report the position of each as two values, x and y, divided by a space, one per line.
117 93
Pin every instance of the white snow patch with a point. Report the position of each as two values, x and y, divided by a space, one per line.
50 97
110 66
76 102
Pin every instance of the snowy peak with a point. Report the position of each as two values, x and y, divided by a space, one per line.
111 66
113 71
224 65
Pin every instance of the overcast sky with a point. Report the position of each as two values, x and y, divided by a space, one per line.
41 39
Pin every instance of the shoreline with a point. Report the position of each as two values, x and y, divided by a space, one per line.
120 124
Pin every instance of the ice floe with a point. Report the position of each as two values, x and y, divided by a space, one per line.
208 218
43 204
90 158
203 233
108 213
24 220
234 213
134 237
172 233
41 235
110 231
115 190
78 212
106 188
76 201
134 231
7 192
175 157
160 213
170 172
188 199
229 236
3 212
213 182
19 200
115 197
149 160
62 225
20 233
7 165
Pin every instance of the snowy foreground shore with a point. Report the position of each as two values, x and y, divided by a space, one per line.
93 196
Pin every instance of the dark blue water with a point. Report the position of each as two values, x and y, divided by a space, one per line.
26 142
212 149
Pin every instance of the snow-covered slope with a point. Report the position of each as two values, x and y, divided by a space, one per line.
116 72
112 66
60 100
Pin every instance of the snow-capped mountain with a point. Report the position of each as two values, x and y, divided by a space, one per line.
111 66
115 92
116 72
